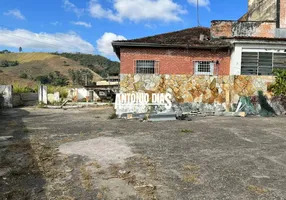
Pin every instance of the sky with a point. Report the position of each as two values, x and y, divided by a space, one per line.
89 26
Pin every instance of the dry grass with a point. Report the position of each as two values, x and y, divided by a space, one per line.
257 190
36 64
86 178
191 173
191 178
191 167
94 164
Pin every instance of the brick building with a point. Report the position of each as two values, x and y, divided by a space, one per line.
188 51
253 45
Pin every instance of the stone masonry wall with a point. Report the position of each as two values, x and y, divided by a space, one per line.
223 90
174 61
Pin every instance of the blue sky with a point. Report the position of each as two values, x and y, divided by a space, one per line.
88 26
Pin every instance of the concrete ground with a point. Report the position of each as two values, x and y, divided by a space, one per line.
81 154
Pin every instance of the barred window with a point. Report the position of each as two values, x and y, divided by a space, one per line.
204 68
262 63
146 67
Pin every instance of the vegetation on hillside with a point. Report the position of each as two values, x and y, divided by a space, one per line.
81 77
45 68
6 63
5 51
96 63
54 78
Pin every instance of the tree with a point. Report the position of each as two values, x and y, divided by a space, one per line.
20 49
5 51
54 78
81 77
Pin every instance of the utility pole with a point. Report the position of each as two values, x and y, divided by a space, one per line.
198 14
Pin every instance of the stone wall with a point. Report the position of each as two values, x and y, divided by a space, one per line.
25 99
215 90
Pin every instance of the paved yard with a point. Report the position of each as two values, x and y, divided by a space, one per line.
81 154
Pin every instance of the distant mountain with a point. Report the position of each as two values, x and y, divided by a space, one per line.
98 64
24 68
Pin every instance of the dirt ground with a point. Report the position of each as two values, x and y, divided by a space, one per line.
81 154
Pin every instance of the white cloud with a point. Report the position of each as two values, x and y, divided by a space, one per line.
79 23
68 6
96 11
104 43
138 10
62 42
16 13
202 3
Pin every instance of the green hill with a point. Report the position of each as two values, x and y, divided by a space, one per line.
97 63
29 66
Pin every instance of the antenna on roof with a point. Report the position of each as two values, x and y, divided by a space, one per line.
198 13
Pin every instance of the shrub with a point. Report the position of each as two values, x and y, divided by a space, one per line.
279 87
23 75
6 63
62 90
81 77
17 89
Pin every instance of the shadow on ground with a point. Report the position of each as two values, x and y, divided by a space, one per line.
20 176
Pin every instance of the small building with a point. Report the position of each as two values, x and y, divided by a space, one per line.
189 51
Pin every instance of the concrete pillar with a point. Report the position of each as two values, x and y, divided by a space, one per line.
43 94
7 95
57 97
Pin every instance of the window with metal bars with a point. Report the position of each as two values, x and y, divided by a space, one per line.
146 67
204 68
262 63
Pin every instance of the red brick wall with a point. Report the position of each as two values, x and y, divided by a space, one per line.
282 13
222 29
173 61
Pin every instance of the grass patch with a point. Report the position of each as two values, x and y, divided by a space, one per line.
186 131
86 178
41 105
94 164
26 130
62 90
256 189
112 116
190 178
189 167
19 88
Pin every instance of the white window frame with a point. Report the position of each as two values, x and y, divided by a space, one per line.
156 66
196 68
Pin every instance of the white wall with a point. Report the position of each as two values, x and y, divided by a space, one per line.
235 62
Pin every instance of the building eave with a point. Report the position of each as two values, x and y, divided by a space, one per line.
240 40
118 45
